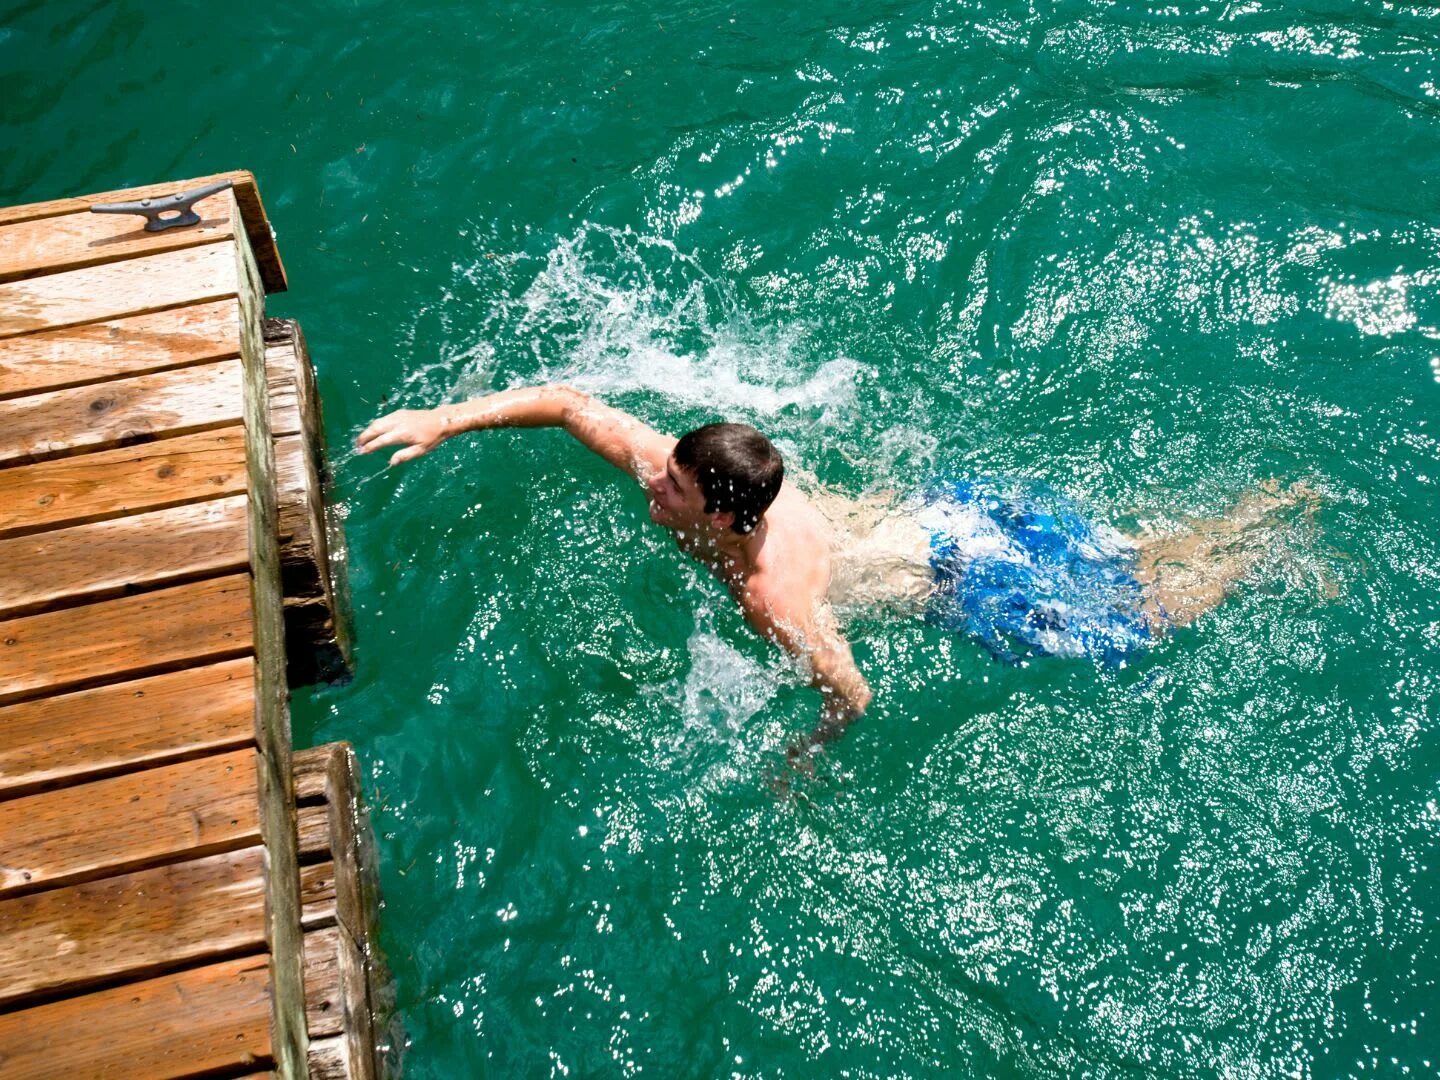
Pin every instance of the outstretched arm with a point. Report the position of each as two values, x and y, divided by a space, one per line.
813 637
616 436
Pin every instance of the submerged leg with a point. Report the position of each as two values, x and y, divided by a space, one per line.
1188 573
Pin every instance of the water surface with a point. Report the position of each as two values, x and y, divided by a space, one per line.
1146 255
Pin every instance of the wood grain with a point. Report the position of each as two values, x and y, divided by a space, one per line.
71 241
272 698
128 480
204 1020
188 809
132 926
109 558
121 412
133 636
147 722
317 895
247 195
133 287
324 1002
75 355
313 825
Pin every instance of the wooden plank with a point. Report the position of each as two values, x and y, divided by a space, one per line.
147 722
336 996
272 702
284 394
205 1020
317 629
129 480
200 622
120 412
71 241
133 926
313 824
324 1003
317 895
149 283
108 558
75 355
329 1059
188 809
247 195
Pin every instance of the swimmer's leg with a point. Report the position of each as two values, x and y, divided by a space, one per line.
1187 573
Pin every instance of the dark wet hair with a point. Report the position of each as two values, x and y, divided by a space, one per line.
738 469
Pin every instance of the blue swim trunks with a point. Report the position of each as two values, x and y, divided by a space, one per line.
1031 576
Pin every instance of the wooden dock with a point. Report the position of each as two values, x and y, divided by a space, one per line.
179 894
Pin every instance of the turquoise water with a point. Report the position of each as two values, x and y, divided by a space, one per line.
1149 256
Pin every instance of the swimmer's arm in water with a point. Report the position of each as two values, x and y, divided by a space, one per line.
815 640
616 436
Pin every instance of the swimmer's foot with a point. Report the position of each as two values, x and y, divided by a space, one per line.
1188 573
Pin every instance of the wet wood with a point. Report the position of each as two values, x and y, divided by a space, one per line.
128 480
340 899
246 193
126 726
75 355
316 623
72 241
131 637
131 926
185 810
109 558
134 287
120 412
205 1020
330 828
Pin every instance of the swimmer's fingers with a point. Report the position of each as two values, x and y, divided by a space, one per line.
379 426
420 429
410 453
403 425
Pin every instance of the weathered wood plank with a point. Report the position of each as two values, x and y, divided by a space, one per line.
191 808
247 195
132 926
313 825
316 626
147 722
324 1001
71 241
110 558
336 998
339 835
128 480
148 283
204 1020
75 355
120 412
272 706
200 622
317 895
329 1059
284 394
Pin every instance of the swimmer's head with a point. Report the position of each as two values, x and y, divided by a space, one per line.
733 470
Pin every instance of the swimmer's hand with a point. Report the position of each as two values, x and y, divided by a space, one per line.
418 430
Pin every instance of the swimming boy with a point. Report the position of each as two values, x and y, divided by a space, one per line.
1019 576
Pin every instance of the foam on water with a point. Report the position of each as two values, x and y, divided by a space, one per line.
631 317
